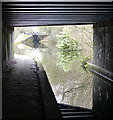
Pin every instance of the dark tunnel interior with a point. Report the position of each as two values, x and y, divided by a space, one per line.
31 96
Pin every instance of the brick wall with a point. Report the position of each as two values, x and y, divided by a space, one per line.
7 44
103 57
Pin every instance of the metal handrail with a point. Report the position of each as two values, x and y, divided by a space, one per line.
102 73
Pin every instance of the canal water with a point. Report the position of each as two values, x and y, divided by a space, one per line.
70 83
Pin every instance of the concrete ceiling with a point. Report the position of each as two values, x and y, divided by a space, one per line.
55 13
57 0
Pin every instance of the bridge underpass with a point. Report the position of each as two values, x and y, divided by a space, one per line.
17 14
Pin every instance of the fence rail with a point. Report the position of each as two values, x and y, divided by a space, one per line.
105 75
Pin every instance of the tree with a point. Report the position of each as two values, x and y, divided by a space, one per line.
69 50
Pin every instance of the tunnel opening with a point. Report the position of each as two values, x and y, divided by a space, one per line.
64 52
65 13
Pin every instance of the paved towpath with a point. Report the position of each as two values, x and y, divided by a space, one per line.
21 90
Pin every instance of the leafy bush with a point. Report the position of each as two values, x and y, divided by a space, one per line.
65 42
69 50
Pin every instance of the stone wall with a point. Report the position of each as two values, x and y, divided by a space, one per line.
103 57
7 44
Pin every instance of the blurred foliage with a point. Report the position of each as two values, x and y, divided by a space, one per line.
69 50
66 42
66 58
84 62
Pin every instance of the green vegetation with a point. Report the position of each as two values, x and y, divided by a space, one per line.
69 50
67 43
84 61
64 58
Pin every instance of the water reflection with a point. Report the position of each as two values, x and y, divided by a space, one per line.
66 58
70 86
70 83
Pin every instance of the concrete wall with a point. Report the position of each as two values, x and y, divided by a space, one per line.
7 44
103 57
